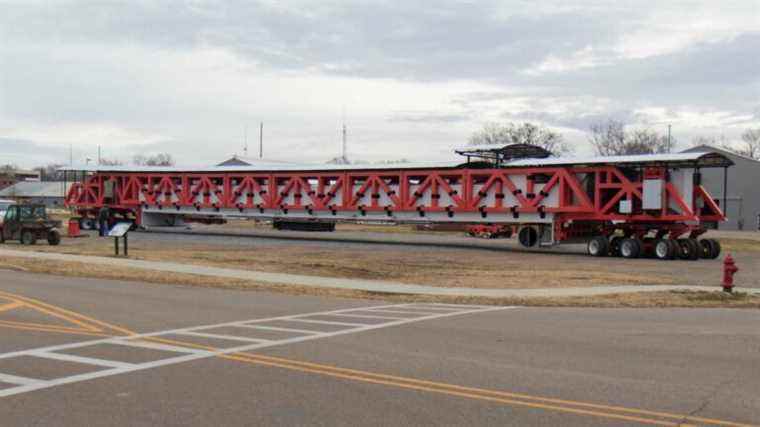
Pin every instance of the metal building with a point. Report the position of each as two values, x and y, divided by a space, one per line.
741 203
48 193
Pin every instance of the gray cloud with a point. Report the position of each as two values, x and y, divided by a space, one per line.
428 117
69 62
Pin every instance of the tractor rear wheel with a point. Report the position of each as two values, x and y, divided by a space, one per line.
598 246
54 238
28 237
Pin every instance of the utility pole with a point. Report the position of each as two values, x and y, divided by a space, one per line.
669 138
261 140
245 146
344 150
345 156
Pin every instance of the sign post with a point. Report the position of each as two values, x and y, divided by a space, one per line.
121 229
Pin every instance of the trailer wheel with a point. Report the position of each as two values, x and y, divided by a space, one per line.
54 238
630 248
705 248
674 245
87 223
528 236
598 246
664 249
615 245
688 249
28 237
715 250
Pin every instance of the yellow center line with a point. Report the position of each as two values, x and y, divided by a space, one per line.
516 399
11 306
39 329
73 317
470 392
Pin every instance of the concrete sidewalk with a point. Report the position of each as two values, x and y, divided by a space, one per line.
351 284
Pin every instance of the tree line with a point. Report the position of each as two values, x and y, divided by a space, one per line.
609 138
51 172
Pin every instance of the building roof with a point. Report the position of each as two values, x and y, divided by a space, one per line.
250 161
723 151
21 172
36 189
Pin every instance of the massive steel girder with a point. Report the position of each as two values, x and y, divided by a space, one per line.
564 195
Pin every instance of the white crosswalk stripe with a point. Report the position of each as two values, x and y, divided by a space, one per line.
420 312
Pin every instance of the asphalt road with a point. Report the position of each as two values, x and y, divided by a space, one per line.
354 363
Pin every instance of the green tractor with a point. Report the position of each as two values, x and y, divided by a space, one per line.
27 224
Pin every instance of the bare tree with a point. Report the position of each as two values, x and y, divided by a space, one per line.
612 139
111 162
750 143
526 133
748 147
160 159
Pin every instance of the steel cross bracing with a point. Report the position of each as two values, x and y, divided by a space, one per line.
177 346
517 195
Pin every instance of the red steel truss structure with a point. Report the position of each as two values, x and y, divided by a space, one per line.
561 198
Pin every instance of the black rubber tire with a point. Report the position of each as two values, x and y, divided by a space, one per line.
715 249
663 249
528 237
598 246
705 248
695 245
28 238
674 248
615 245
630 248
87 224
54 238
688 249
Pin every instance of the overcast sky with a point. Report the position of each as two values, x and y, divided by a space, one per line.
414 78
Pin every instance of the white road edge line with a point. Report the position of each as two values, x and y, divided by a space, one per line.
276 328
190 357
13 379
223 337
367 316
157 346
327 322
81 359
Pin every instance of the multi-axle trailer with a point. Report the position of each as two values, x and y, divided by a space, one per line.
622 205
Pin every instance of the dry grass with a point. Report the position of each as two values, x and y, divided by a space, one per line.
740 245
633 300
449 268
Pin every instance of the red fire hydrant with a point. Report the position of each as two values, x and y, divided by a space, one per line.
729 269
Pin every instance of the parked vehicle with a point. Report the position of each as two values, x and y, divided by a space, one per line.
27 224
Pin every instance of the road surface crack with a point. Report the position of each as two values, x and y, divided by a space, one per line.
709 398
